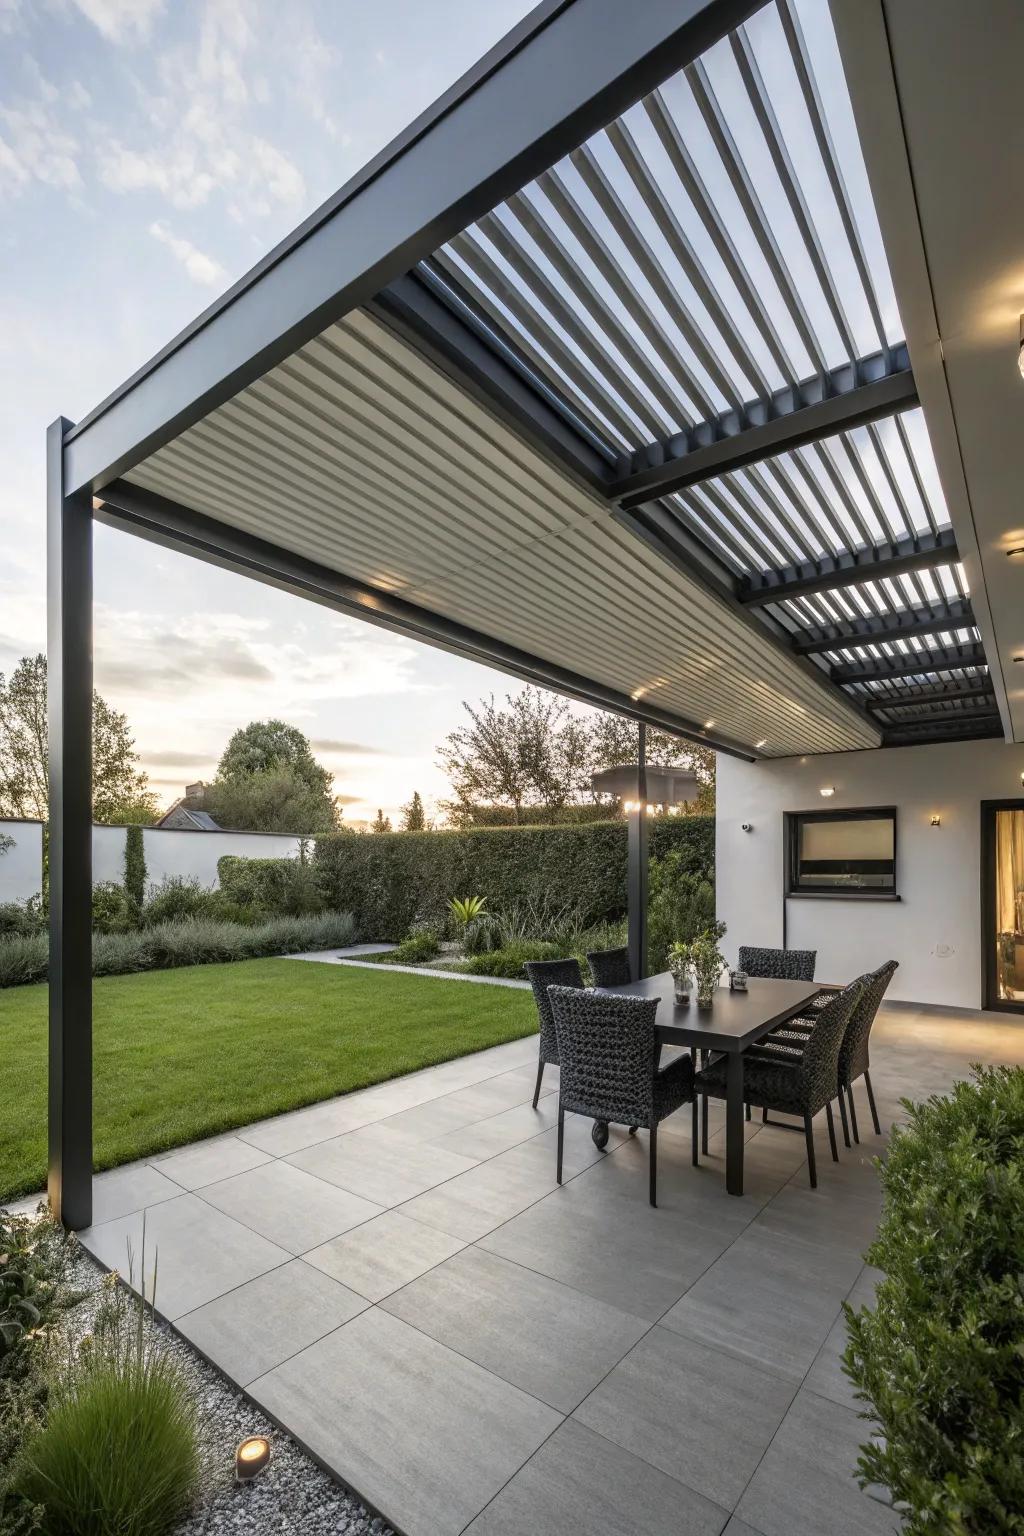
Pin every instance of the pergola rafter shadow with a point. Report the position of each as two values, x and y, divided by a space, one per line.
577 378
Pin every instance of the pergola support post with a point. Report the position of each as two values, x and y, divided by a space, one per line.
636 864
69 693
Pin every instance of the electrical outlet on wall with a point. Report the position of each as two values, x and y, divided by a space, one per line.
943 951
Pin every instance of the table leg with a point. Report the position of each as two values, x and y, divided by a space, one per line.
734 1123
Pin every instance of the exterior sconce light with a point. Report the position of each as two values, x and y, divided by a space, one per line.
827 791
1016 553
936 822
251 1457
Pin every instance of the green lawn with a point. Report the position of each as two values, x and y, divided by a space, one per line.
186 1053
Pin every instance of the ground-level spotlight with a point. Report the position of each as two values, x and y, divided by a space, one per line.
251 1457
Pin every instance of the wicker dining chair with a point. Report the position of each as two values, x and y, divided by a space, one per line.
609 967
803 1082
608 1054
544 974
778 964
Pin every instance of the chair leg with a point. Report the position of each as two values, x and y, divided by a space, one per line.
695 1121
843 1115
704 1123
853 1114
561 1139
748 1112
809 1137
653 1155
871 1102
540 1076
832 1132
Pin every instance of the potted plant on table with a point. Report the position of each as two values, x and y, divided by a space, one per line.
708 963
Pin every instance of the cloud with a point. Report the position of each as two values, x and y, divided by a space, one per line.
170 758
344 748
121 21
35 147
201 268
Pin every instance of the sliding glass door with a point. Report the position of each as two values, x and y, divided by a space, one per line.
1002 902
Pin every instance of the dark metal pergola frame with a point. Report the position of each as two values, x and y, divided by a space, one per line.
579 64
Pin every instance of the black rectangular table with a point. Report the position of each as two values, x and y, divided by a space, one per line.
734 1021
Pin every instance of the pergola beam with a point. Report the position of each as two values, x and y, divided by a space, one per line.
847 397
943 728
920 553
926 694
565 72
880 669
875 628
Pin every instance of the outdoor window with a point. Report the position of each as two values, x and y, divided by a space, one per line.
842 853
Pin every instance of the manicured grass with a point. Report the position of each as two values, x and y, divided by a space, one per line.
183 1054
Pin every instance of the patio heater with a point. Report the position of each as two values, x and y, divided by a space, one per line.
642 789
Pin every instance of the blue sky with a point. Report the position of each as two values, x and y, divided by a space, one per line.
150 152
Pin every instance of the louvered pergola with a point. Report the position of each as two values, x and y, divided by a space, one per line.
595 375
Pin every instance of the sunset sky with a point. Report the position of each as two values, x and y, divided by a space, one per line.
150 153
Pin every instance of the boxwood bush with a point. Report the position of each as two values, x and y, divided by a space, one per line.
196 941
389 880
940 1357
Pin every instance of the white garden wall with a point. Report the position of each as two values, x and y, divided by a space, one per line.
934 930
168 852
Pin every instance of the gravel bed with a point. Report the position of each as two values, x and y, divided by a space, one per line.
293 1495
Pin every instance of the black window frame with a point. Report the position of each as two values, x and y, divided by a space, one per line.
795 820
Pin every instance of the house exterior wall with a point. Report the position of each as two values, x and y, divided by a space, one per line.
934 930
190 855
21 867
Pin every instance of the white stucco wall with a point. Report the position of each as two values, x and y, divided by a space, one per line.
934 931
185 854
21 867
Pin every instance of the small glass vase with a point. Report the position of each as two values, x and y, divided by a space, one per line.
681 984
705 997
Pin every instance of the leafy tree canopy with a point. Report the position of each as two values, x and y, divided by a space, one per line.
413 816
120 789
381 823
269 781
264 745
537 754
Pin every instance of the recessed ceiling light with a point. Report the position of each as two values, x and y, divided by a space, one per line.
828 790
709 723
764 739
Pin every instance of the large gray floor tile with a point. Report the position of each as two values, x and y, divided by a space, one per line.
578 1483
615 1248
487 1137
424 1435
380 1166
542 1336
265 1322
489 1194
384 1254
704 1417
809 1468
124 1190
826 1376
204 1162
769 1298
847 1216
738 1527
289 1206
305 1127
199 1253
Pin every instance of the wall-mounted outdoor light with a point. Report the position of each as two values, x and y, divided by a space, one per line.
1016 553
251 1457
827 791
936 822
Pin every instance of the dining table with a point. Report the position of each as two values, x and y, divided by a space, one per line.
734 1021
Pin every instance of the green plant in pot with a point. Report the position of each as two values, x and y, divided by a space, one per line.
679 963
708 963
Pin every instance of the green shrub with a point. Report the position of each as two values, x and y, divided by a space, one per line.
195 941
135 865
482 934
21 919
275 887
119 1452
417 949
680 906
113 910
177 898
389 880
510 960
940 1357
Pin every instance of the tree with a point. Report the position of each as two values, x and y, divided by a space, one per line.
120 789
413 816
269 781
381 823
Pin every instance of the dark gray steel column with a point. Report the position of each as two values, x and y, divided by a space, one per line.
69 682
636 865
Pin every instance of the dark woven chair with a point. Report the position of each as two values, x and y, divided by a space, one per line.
854 1057
778 964
800 1082
608 1053
610 967
544 974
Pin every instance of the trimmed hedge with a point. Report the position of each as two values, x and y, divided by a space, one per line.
940 1357
390 880
197 941
286 886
